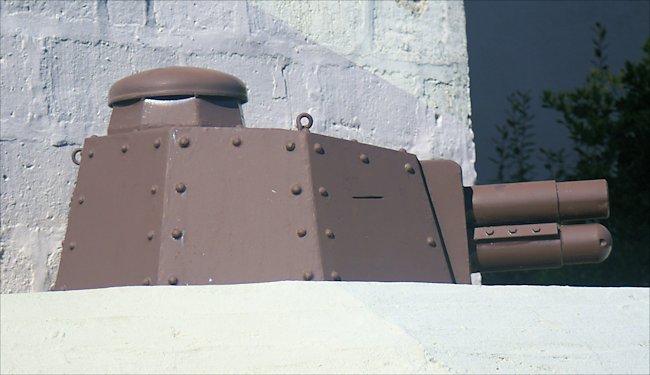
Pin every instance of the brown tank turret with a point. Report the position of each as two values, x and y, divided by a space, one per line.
180 192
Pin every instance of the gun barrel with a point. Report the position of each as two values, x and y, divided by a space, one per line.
537 202
571 244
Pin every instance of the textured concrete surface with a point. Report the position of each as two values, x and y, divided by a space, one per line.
390 73
328 327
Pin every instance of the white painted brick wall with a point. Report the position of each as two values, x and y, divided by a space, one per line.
390 73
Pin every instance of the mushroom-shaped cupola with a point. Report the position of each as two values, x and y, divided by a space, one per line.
176 96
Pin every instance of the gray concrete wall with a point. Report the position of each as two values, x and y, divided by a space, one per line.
328 327
390 73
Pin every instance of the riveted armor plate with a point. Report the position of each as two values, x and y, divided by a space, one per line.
179 192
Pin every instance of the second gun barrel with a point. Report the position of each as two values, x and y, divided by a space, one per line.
575 244
543 201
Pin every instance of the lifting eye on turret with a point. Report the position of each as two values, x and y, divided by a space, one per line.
301 125
76 156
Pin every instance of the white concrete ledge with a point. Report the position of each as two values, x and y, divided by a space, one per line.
327 327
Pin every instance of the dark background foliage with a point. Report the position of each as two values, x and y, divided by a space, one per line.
608 122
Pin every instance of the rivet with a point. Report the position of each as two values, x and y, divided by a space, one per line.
329 233
125 148
489 232
236 141
302 232
173 280
536 230
323 191
335 276
290 146
146 281
354 140
512 230
319 148
296 189
91 153
431 242
150 235
81 199
364 158
308 276
603 242
154 189
402 149
157 143
184 141
180 187
409 168
72 245
177 233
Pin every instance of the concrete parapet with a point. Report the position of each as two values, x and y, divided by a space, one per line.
327 327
